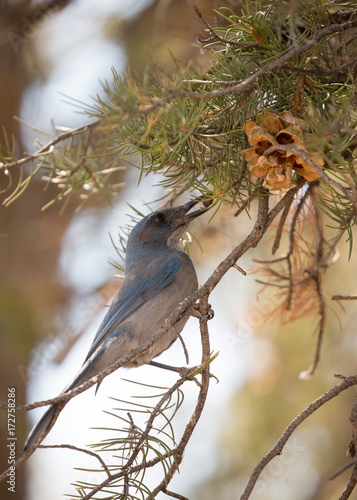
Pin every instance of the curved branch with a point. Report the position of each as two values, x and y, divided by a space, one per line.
297 49
178 453
82 450
309 410
350 485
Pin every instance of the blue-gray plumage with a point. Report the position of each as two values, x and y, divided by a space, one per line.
158 276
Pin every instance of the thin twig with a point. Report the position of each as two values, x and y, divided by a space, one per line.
287 198
344 297
352 446
174 495
281 226
82 450
279 446
341 471
320 71
300 205
183 345
240 269
215 36
319 291
350 485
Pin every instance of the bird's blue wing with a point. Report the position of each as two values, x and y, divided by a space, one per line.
136 291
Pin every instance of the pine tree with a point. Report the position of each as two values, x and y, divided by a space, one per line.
271 122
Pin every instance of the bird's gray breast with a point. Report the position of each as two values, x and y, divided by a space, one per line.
153 314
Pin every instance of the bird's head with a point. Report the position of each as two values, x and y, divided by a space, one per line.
163 227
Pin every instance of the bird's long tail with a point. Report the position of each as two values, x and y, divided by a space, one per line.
43 427
47 421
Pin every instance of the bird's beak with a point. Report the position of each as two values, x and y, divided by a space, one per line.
188 217
180 219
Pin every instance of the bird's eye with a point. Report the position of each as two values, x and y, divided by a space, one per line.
159 219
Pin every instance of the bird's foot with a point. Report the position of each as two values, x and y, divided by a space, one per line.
186 373
195 311
190 374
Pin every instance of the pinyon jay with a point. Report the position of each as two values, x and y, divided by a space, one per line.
158 276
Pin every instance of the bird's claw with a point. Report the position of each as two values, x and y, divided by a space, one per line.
195 311
189 374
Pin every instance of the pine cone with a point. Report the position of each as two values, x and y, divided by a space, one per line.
277 167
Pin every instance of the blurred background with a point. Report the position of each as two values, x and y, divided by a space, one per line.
56 278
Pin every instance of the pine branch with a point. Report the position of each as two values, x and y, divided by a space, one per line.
48 147
298 49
